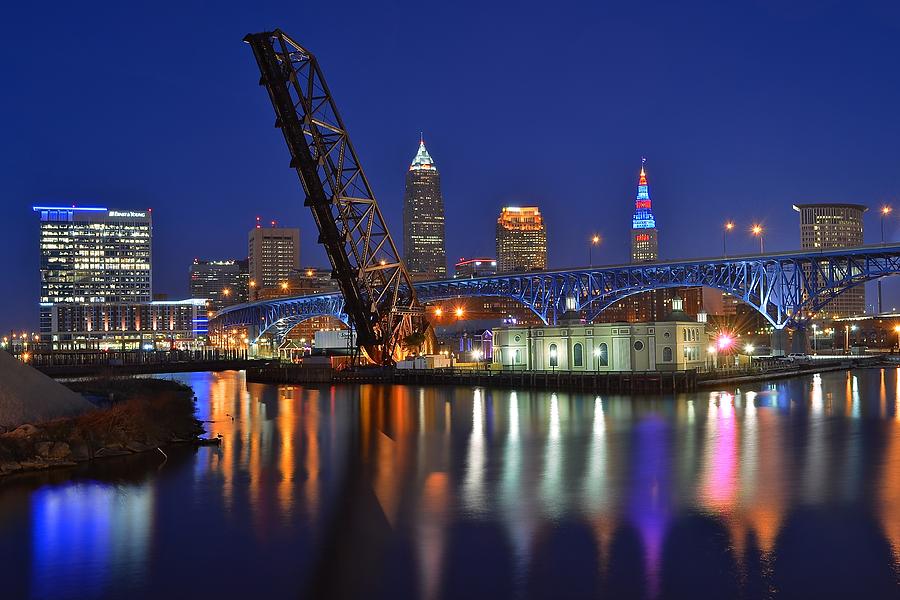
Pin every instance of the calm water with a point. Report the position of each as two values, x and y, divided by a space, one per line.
786 490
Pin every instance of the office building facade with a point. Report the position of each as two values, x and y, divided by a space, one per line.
273 254
221 282
828 226
424 249
93 255
521 240
167 325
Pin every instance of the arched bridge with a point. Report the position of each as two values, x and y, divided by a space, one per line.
784 287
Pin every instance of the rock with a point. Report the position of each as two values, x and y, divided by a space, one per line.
104 452
59 451
10 467
80 451
23 431
136 446
43 449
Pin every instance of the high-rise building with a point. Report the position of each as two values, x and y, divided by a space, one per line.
423 219
222 282
468 268
644 235
827 226
273 254
521 239
93 255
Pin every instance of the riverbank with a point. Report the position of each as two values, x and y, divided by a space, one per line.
133 416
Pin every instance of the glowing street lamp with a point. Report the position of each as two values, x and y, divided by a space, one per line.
757 230
729 225
847 329
459 312
595 241
438 311
897 330
885 211
748 350
553 356
284 285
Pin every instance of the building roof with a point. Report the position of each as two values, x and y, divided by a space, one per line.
861 207
422 159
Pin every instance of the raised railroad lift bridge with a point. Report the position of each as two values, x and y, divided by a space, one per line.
378 296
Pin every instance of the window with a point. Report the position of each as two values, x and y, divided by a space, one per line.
667 354
578 355
639 345
554 356
602 354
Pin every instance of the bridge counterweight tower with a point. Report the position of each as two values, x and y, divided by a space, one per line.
379 298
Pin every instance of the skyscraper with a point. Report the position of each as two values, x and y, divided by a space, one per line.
521 239
273 254
93 255
222 282
423 219
644 235
825 226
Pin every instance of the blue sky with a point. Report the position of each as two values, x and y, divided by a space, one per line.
741 109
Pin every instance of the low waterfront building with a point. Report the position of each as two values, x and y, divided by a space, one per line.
167 325
676 343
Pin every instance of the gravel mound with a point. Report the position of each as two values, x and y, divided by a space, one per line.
29 396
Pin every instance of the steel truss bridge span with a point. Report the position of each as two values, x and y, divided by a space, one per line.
786 288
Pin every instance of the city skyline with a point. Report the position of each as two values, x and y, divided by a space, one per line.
810 150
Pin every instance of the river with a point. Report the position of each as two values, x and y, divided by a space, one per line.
784 490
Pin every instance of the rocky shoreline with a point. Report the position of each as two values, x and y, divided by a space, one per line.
133 416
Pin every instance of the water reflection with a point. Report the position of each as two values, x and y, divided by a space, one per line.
383 491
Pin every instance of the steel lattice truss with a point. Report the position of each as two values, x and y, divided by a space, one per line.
379 298
785 288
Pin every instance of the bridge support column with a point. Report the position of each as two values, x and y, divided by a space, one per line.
779 341
800 340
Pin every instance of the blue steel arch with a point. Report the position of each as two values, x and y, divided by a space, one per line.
784 287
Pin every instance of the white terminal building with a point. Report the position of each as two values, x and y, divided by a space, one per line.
677 343
97 283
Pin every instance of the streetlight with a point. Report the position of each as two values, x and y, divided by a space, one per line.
757 230
438 311
897 329
748 349
553 356
595 241
284 285
729 225
847 330
711 354
885 211
459 312
815 339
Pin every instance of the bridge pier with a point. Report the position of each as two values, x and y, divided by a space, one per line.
779 341
800 340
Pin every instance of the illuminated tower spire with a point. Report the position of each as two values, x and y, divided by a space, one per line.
423 218
644 235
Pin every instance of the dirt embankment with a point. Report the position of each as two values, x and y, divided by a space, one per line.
138 415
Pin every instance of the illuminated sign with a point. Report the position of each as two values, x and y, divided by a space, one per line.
642 237
643 204
128 214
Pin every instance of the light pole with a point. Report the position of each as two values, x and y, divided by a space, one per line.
711 357
595 241
897 329
749 350
885 211
815 339
553 356
729 225
847 331
757 230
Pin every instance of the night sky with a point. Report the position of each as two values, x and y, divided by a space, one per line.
741 108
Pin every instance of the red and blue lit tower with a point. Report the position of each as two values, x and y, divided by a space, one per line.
644 235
